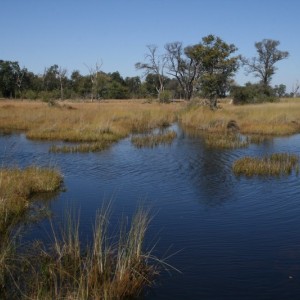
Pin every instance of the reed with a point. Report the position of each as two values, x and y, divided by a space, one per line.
273 165
85 122
225 140
102 270
153 140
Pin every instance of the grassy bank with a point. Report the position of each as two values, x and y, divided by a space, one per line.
98 123
270 119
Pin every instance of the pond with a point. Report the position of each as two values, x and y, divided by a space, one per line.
230 237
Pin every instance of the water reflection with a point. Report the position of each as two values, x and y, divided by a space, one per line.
238 237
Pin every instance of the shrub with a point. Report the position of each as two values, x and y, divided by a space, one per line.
253 93
165 96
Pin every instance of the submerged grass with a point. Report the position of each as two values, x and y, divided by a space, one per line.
274 165
102 270
153 140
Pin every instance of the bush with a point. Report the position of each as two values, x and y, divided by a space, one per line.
165 96
253 93
30 94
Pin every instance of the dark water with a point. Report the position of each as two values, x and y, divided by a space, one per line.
231 238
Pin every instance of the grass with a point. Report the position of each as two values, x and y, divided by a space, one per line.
153 140
102 270
96 123
18 185
225 140
273 165
272 119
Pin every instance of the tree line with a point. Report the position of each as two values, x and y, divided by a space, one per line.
206 69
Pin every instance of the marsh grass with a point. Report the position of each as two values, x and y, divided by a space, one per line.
104 269
258 138
270 119
85 122
153 140
18 185
225 141
273 165
82 147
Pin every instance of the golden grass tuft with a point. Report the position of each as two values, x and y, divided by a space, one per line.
17 186
153 140
102 270
225 140
274 165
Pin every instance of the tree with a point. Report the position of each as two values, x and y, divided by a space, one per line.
182 66
94 74
263 66
280 90
295 89
61 74
155 65
217 66
9 71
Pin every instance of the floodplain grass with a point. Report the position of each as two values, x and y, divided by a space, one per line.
104 122
101 270
276 164
153 140
272 119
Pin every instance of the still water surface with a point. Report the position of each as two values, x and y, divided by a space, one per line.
232 238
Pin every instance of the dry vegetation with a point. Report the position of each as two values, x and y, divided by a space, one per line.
95 124
261 119
16 188
153 140
275 165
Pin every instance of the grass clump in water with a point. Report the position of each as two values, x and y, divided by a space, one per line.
84 147
18 185
153 140
225 141
102 270
274 165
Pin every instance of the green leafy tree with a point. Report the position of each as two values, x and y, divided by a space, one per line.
9 73
217 66
263 66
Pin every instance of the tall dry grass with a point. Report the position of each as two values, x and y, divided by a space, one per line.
265 119
85 122
102 270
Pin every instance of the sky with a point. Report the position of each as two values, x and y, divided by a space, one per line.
77 34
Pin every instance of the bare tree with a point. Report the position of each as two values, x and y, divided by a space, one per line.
61 74
94 72
184 68
295 88
263 65
155 65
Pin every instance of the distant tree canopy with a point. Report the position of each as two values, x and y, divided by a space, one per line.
205 69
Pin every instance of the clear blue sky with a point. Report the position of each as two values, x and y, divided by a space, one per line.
72 33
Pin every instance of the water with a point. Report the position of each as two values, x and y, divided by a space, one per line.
231 238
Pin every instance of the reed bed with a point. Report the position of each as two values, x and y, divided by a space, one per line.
86 122
153 140
273 165
272 119
101 270
225 140
18 185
